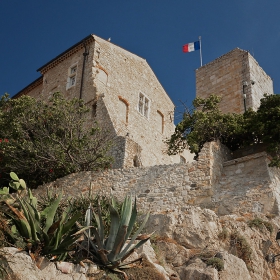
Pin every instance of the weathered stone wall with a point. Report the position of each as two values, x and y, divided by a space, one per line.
157 187
260 84
110 80
214 181
230 76
128 75
247 185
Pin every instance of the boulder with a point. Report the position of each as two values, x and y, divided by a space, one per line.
234 268
198 270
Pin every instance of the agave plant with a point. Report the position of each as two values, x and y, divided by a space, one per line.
39 229
110 252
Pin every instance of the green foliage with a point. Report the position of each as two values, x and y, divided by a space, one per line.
111 251
243 248
42 141
260 224
223 235
3 271
216 263
80 204
206 123
39 230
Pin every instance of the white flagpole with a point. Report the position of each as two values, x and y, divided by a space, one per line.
200 50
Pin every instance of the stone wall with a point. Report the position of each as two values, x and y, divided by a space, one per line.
110 79
128 75
230 76
247 185
214 181
260 84
157 187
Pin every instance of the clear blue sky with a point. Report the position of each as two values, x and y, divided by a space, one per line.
33 32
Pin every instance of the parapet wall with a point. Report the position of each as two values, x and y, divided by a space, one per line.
214 181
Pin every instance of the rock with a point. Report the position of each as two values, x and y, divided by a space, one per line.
193 228
65 267
21 265
234 268
198 270
173 253
146 251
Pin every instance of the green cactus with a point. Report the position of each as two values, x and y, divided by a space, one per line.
111 251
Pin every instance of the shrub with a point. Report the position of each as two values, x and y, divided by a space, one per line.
223 235
216 263
243 248
43 141
260 224
205 123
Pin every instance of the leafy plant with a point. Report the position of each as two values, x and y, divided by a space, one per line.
260 223
39 230
205 123
223 235
110 252
243 248
42 141
216 263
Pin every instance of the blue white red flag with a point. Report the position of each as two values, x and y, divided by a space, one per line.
190 47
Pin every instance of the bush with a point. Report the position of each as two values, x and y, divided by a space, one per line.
243 248
260 224
223 235
216 263
43 141
205 123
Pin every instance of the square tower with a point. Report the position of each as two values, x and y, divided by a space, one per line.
237 78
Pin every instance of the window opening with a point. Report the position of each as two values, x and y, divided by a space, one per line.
136 161
72 74
143 105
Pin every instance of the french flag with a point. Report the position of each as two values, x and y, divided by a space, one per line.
190 47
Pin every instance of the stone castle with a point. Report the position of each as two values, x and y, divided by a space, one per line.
125 96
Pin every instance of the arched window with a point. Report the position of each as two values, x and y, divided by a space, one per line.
123 109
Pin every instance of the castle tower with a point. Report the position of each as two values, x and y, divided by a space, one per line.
237 78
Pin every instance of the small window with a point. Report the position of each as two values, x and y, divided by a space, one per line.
143 105
72 76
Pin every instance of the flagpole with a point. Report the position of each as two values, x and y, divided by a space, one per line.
200 50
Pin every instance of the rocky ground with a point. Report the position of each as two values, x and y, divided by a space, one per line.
188 244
